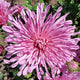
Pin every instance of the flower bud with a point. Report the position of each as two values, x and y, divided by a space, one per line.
73 65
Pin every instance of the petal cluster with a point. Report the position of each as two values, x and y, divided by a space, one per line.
3 11
67 76
39 40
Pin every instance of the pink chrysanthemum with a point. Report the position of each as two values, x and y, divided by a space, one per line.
67 76
41 42
3 11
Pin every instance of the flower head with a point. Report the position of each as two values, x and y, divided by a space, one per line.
3 11
41 42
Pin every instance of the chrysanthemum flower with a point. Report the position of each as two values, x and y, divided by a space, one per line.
40 41
68 76
3 11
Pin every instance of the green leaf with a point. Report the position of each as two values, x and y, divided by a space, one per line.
41 1
8 24
15 73
29 6
0 36
78 69
34 7
0 29
79 36
1 76
28 75
76 22
60 1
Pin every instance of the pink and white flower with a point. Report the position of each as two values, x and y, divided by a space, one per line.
41 42
4 11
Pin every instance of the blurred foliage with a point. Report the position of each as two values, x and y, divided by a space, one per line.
1 75
27 3
78 69
72 6
29 76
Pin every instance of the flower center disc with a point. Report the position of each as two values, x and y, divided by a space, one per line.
40 44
